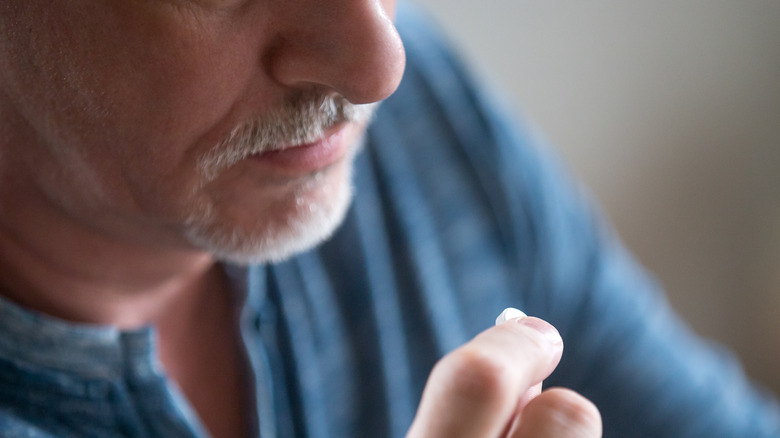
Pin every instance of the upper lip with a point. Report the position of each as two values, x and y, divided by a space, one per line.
326 132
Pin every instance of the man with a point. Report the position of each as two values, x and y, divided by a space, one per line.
150 149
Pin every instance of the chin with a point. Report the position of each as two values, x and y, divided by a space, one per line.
299 222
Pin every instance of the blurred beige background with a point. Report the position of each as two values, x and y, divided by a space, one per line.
670 112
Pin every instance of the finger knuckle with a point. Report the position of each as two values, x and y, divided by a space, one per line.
476 375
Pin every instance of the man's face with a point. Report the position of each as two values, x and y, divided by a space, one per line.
225 125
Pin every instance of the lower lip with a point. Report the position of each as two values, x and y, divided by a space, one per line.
308 157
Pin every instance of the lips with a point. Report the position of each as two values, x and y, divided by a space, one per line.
309 157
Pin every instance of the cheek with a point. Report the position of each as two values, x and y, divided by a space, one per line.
47 84
46 77
125 110
171 82
127 69
179 86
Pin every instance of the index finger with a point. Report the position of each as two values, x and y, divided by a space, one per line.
474 390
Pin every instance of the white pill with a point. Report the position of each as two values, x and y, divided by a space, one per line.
509 313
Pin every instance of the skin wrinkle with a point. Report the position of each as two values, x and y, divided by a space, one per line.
34 57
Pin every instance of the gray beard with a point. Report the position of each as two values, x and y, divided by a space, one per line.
303 120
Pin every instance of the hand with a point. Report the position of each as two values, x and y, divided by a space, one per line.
491 387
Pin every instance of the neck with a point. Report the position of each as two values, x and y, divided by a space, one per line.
54 265
127 289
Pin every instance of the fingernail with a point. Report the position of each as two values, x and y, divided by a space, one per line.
543 327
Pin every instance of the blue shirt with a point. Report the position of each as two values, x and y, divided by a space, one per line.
459 212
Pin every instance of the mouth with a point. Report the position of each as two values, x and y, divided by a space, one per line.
304 136
312 156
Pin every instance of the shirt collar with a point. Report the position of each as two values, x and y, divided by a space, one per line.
34 340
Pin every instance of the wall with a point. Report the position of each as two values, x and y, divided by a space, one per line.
670 112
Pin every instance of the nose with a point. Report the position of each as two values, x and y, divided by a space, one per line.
348 46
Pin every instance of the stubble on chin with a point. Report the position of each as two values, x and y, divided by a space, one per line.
278 234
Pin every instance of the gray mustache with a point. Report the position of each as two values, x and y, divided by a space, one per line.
302 119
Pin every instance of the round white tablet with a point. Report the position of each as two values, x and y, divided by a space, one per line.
509 313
